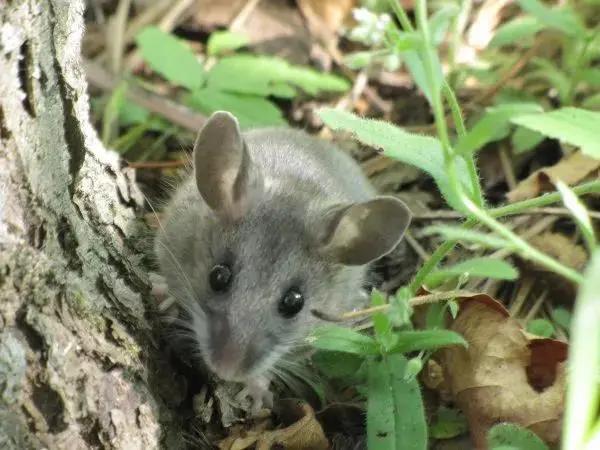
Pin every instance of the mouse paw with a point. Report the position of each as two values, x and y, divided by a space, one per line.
160 291
260 395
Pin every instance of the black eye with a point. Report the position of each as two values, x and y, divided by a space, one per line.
291 303
220 278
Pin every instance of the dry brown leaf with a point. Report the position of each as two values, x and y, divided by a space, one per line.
304 433
560 247
326 18
503 376
570 170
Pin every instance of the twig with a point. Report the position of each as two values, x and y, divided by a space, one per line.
415 301
116 30
419 250
536 306
175 113
509 173
240 19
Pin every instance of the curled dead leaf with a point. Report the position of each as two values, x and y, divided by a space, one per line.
571 170
560 247
303 433
504 376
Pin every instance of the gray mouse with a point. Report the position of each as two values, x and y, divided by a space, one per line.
273 223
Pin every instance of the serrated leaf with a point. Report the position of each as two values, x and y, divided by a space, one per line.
250 110
563 19
381 322
389 427
584 361
490 127
420 151
509 435
224 41
170 57
342 339
540 327
460 234
516 31
266 75
572 125
410 341
475 267
579 213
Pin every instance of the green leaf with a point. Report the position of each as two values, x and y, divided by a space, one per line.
579 213
337 364
540 327
562 317
381 322
475 267
460 234
400 310
410 341
591 76
389 426
448 423
514 436
342 339
250 110
111 112
524 139
489 128
224 41
412 369
420 151
516 31
266 75
572 125
171 57
584 361
440 21
563 19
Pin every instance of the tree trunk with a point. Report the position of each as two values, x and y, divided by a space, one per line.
78 364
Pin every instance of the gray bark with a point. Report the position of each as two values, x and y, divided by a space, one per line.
79 366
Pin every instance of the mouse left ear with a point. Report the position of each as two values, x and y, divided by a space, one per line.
227 179
360 233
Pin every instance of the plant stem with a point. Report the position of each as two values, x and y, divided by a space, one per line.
515 208
401 15
526 250
544 200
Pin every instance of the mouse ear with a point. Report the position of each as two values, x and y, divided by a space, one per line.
359 233
225 175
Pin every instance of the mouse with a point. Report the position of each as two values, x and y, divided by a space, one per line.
270 225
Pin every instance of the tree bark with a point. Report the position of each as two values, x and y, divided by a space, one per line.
79 367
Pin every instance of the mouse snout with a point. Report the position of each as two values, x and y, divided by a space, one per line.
227 351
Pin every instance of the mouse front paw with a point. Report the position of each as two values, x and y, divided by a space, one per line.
257 389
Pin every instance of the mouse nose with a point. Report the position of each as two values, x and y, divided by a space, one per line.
226 354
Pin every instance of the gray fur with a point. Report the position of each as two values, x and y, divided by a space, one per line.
281 235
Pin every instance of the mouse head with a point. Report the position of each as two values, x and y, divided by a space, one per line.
264 258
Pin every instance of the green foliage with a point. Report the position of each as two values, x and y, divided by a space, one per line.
455 233
563 19
541 327
494 125
583 395
562 318
474 267
572 125
420 151
389 426
410 341
509 436
224 41
579 213
448 423
341 339
340 365
266 75
516 31
241 84
171 57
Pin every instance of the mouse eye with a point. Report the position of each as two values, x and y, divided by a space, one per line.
220 277
291 303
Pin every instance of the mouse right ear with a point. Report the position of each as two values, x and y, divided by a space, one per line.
226 178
